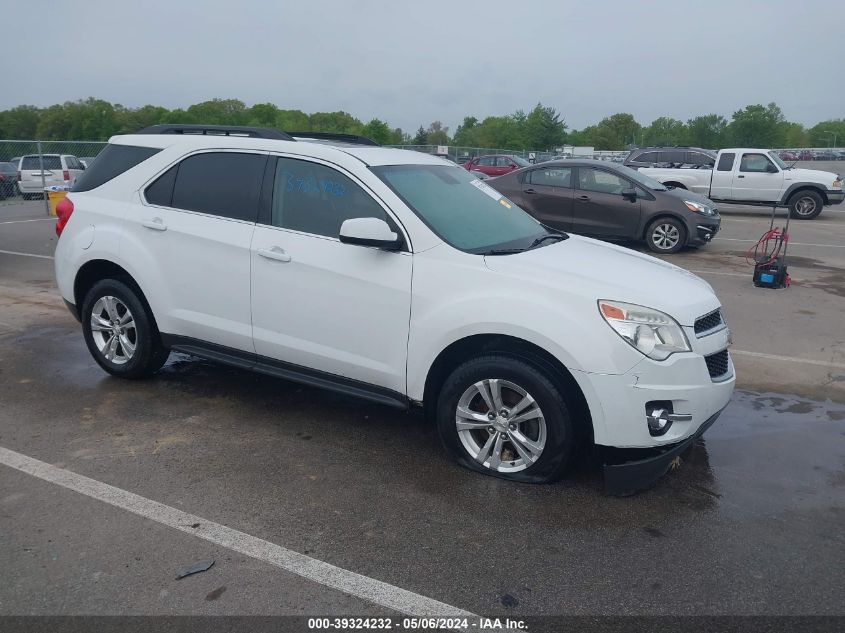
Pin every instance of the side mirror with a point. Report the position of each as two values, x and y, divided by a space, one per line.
629 194
771 168
369 232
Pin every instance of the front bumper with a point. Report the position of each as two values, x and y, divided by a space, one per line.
835 196
628 477
703 232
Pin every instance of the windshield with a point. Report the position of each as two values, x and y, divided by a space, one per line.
462 210
520 161
778 160
642 179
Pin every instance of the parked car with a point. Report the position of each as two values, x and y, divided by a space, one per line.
788 156
840 154
87 160
824 155
758 177
59 169
8 180
668 156
370 271
496 164
805 154
610 201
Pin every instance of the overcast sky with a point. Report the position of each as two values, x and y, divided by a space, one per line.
412 62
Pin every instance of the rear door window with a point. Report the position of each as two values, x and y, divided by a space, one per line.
726 162
600 181
113 161
699 158
646 157
673 156
552 177
226 184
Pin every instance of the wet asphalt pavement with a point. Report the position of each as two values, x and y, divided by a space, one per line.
750 523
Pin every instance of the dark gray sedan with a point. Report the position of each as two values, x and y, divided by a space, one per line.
611 201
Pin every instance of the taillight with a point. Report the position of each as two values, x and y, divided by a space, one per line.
19 176
66 174
63 210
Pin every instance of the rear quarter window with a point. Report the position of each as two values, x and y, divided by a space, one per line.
110 163
726 162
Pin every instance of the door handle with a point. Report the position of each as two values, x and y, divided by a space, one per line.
156 224
583 198
740 176
528 191
276 254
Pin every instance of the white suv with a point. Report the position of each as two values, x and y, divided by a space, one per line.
394 276
58 169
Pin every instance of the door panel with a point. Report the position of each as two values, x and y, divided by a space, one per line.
752 182
548 196
337 308
598 207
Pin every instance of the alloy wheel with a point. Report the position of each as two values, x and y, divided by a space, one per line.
805 206
113 329
665 236
501 425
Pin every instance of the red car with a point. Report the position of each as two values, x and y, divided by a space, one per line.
496 164
788 156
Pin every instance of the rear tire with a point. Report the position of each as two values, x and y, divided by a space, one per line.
120 332
805 205
530 438
666 236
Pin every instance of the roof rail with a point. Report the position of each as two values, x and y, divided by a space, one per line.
354 139
217 130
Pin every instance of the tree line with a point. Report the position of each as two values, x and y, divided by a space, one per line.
541 128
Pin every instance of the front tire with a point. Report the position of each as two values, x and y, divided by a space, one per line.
666 236
120 331
500 416
805 205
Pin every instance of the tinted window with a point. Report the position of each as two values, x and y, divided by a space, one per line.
316 199
502 161
551 177
113 161
698 158
754 163
601 181
646 157
726 162
219 183
33 162
462 210
672 157
487 160
161 191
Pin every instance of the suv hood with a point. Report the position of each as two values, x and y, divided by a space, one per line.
824 178
596 270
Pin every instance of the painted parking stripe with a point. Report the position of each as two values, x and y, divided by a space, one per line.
26 254
791 243
20 221
348 582
789 359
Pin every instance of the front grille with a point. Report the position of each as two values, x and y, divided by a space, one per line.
708 322
717 364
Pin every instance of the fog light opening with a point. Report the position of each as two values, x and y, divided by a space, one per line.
658 417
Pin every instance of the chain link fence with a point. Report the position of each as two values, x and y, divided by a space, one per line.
27 167
461 154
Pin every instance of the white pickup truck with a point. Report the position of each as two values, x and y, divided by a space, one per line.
757 177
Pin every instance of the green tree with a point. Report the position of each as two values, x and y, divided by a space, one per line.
437 134
421 137
341 122
217 112
794 135
757 126
379 131
543 128
19 122
262 115
614 132
822 134
465 132
293 121
707 131
665 131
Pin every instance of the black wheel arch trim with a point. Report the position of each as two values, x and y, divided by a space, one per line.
287 371
819 189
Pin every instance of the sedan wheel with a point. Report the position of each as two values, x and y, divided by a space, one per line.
666 235
113 330
501 425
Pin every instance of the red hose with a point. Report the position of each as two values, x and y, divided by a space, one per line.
767 248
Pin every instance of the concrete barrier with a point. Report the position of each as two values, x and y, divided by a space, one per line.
836 167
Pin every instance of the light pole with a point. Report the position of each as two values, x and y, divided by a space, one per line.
834 137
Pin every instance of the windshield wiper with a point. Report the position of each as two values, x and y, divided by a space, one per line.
504 251
540 240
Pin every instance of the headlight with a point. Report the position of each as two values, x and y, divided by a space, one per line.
655 334
837 184
697 207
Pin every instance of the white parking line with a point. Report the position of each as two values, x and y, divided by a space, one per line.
791 243
789 359
781 220
26 254
19 221
348 582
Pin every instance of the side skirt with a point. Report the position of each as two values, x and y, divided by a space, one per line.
287 371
